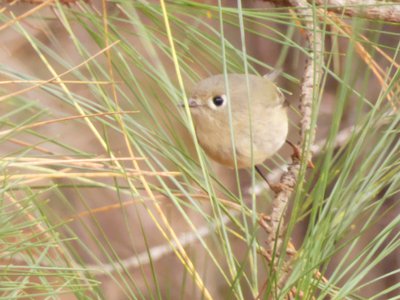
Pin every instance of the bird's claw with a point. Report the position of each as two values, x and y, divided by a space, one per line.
297 154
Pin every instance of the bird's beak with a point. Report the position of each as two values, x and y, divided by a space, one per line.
191 103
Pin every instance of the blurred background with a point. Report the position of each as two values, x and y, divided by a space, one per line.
104 194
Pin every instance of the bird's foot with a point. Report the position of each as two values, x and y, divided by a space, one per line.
297 154
277 187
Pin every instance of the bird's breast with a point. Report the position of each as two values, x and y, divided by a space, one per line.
251 144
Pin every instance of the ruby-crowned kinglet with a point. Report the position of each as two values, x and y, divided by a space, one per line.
260 101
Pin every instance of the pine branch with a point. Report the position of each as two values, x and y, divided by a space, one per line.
371 9
311 79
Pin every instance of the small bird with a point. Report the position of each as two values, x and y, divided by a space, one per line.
259 122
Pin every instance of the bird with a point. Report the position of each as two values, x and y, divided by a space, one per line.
250 108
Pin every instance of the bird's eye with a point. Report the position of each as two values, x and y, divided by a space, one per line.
218 100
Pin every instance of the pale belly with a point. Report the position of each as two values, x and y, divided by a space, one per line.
268 137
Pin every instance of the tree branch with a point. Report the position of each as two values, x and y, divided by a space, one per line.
370 9
311 79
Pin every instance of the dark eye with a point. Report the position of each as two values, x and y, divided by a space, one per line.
218 100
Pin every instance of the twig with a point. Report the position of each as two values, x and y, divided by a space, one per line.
157 252
311 79
370 9
150 255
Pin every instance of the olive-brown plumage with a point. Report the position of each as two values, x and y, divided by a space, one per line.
261 102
